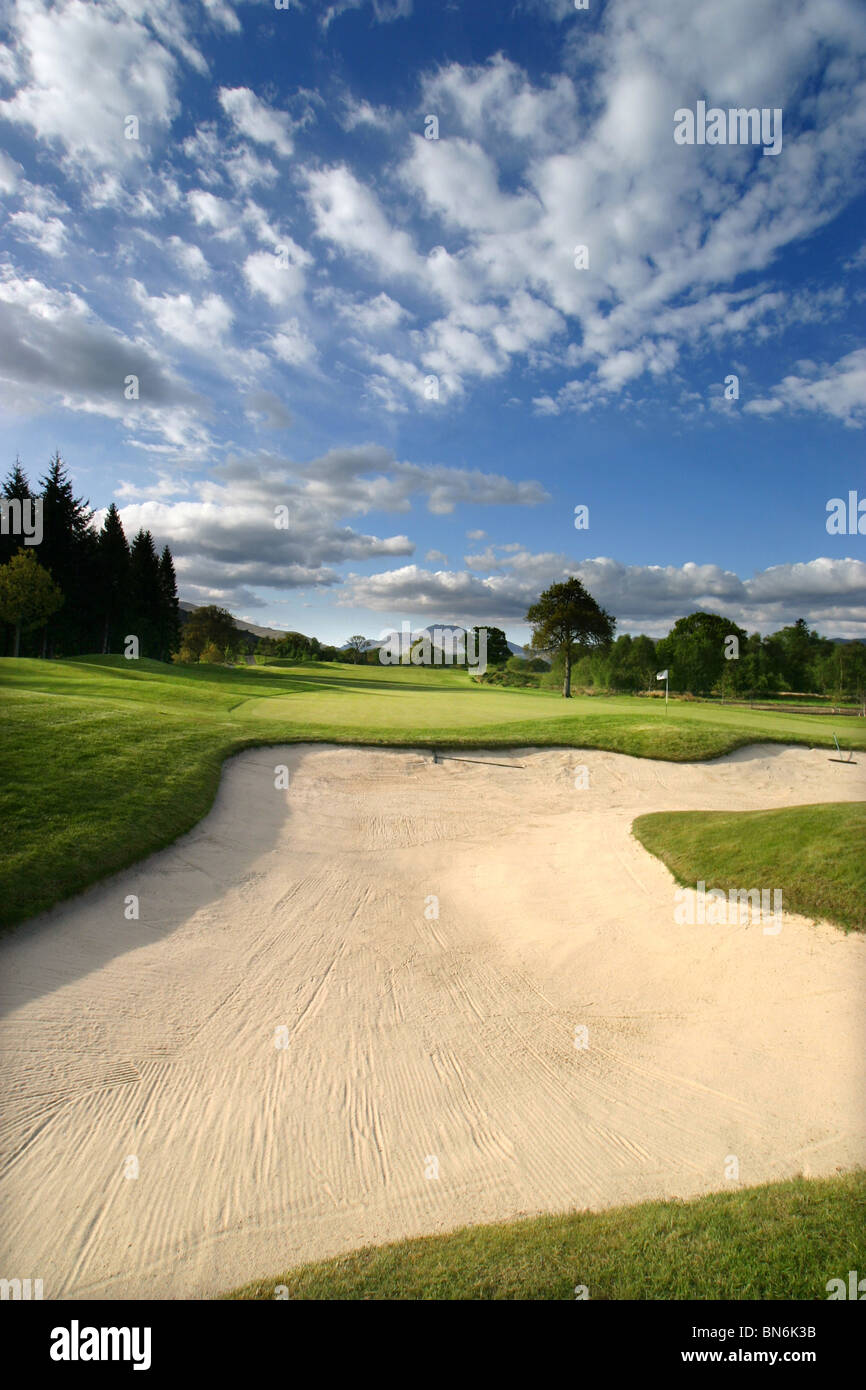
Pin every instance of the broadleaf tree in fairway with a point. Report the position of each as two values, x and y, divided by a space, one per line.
567 619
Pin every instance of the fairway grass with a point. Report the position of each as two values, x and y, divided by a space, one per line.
779 1241
108 761
816 852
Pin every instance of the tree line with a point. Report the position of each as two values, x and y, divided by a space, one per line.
702 660
573 641
704 653
80 590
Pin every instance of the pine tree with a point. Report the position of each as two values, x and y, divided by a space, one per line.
145 595
16 485
69 552
170 626
15 488
113 567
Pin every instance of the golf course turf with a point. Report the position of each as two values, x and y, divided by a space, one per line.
113 759
755 1243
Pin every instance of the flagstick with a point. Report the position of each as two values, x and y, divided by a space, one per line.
666 674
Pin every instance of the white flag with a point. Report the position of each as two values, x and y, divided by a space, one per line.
662 676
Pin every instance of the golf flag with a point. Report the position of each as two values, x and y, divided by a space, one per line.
663 676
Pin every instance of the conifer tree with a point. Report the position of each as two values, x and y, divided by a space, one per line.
145 610
15 488
69 552
170 627
113 567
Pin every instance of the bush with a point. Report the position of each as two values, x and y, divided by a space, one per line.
511 678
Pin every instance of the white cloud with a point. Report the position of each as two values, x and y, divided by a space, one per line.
256 120
384 11
372 316
348 214
55 352
642 597
189 257
291 344
210 211
359 113
200 325
89 66
837 390
277 275
223 14
47 233
246 170
10 173
223 535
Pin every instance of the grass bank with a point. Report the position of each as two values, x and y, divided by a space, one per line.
815 852
782 1240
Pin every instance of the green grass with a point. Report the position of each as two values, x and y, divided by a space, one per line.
815 854
109 760
783 1240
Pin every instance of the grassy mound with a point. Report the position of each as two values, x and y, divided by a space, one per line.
783 1240
815 854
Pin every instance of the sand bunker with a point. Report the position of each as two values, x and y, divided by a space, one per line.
289 1044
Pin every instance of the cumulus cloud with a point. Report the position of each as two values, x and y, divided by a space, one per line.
371 317
86 67
258 121
222 14
643 598
291 344
46 233
198 325
10 173
224 532
190 257
53 348
837 390
277 275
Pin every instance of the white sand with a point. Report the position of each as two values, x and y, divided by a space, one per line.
410 1038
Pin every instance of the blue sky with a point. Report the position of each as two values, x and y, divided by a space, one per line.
387 333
